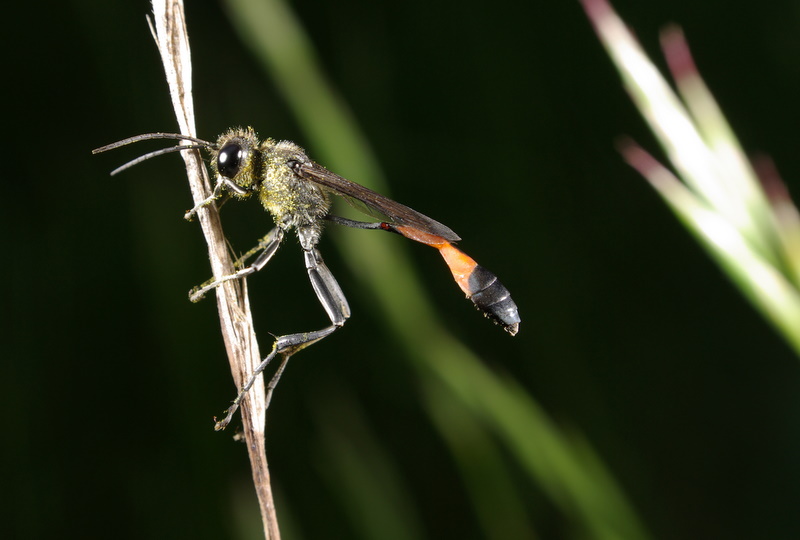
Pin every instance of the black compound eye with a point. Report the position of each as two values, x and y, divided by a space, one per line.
229 160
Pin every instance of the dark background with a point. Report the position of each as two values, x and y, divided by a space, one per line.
498 119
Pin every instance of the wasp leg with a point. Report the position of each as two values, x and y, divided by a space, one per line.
331 297
268 246
222 182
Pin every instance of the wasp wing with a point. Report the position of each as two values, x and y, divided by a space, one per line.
400 214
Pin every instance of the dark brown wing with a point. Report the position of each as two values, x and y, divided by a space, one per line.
400 214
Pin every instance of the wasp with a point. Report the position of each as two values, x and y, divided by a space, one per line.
297 192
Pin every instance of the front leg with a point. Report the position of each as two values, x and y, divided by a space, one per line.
221 184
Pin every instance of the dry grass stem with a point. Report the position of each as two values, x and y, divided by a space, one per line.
169 31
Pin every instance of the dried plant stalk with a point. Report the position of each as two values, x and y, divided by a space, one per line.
170 33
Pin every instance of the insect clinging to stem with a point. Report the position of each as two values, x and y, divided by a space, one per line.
296 191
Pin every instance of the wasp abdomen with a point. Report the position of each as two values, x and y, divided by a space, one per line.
480 285
492 297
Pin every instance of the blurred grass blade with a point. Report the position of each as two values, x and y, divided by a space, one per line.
760 282
572 476
583 491
275 37
663 110
498 506
786 215
718 196
734 170
354 462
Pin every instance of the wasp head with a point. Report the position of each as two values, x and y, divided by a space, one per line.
236 157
